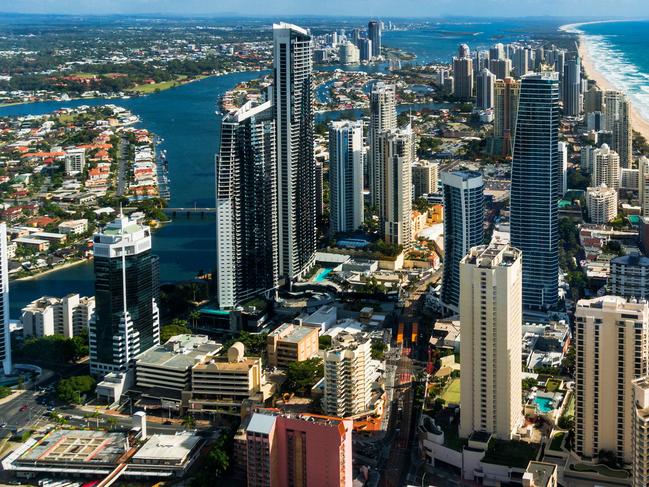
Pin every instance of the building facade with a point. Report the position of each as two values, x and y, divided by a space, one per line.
464 207
463 74
618 121
506 95
425 178
491 312
640 465
601 203
68 316
611 337
485 84
605 167
571 88
383 116
535 189
126 313
374 35
629 276
246 205
290 343
346 160
293 105
5 335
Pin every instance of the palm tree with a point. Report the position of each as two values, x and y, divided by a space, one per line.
194 315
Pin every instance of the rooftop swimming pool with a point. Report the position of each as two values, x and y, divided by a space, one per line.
545 404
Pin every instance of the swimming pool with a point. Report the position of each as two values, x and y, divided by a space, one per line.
545 404
322 275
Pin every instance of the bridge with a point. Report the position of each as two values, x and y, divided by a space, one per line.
188 212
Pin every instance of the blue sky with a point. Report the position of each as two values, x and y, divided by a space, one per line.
378 8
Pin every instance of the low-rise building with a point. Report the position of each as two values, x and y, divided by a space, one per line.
540 474
291 343
629 276
35 244
75 227
225 382
68 316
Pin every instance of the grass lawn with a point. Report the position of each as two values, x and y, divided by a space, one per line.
510 453
82 75
601 469
552 385
452 392
555 444
66 117
164 85
570 408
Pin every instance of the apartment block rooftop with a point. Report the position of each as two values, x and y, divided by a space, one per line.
496 254
289 332
180 352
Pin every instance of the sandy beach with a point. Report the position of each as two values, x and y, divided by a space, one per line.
53 269
639 124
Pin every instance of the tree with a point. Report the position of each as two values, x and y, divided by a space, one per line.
219 458
378 349
189 422
74 389
302 376
528 383
324 342
176 327
4 392
566 422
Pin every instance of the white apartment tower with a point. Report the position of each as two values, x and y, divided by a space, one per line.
643 185
611 337
491 310
347 375
396 147
346 159
75 160
485 84
601 203
296 192
383 116
5 335
606 167
68 316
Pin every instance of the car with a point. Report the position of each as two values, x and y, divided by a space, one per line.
23 407
3 425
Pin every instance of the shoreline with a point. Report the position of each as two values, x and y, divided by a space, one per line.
638 122
53 269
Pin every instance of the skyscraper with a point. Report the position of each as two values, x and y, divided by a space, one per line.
383 116
601 203
463 73
643 185
491 312
292 97
502 68
497 52
345 176
610 335
618 121
521 61
397 148
485 83
126 314
571 88
463 227
640 464
594 100
246 205
506 95
5 335
535 189
606 167
374 35
425 177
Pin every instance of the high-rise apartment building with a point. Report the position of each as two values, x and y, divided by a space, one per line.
563 168
349 53
346 159
374 35
298 450
535 189
68 316
464 206
293 105
75 160
365 48
383 116
571 88
463 73
601 202
347 375
497 52
502 68
640 444
506 95
485 83
397 149
425 178
643 185
491 313
246 205
606 167
5 334
521 61
594 100
618 121
611 336
126 313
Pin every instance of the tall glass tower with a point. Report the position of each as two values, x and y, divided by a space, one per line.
126 314
246 205
296 192
536 170
463 227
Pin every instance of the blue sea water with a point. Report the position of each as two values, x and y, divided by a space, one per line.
618 50
185 118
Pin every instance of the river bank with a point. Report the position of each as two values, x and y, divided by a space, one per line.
56 268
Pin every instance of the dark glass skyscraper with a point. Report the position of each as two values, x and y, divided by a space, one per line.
463 227
374 35
126 314
246 205
296 192
535 189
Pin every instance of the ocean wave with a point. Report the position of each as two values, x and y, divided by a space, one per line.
615 66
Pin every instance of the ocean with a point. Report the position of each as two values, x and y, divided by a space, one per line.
185 118
618 50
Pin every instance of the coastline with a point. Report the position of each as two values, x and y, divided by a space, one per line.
53 269
638 122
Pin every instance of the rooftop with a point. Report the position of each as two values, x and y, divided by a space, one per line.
180 352
167 447
542 472
288 332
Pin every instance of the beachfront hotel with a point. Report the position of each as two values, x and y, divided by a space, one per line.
536 169
491 312
611 336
